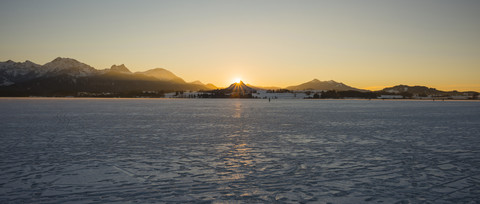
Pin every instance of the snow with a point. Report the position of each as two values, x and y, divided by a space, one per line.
19 68
21 71
245 151
6 82
11 71
75 67
392 91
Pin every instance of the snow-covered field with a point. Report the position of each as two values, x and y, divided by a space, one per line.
248 151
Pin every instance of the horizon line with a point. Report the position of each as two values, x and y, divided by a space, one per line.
369 88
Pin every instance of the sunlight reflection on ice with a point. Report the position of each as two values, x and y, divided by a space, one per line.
251 151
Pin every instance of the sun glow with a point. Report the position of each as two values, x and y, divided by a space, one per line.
237 80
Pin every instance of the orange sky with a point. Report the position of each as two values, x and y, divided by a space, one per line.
365 44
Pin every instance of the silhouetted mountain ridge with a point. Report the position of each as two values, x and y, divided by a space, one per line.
422 91
163 75
120 68
68 76
239 87
316 84
412 89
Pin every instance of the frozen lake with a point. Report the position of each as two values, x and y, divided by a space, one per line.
247 151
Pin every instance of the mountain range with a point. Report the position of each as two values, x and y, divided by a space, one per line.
66 76
423 91
316 84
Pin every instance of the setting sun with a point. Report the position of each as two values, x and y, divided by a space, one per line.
237 80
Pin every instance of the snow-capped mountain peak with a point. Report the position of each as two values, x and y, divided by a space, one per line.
68 66
64 63
9 64
12 72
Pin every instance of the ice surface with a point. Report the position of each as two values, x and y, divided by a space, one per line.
247 151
